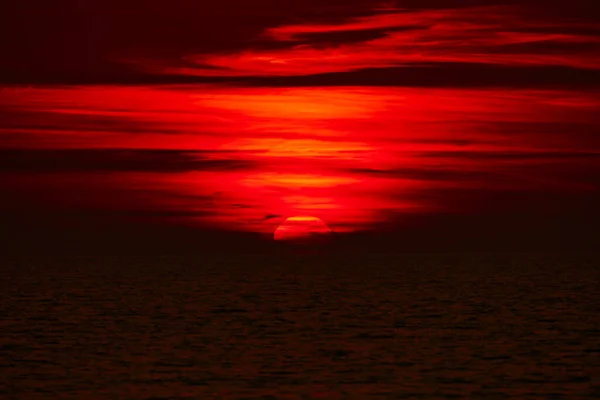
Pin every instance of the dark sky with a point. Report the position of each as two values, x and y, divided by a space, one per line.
409 125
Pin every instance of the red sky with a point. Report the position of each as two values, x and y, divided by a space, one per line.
368 115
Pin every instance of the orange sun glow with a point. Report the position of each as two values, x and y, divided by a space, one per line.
302 229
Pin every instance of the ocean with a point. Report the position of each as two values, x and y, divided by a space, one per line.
476 326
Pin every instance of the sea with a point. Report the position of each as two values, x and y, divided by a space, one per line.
256 326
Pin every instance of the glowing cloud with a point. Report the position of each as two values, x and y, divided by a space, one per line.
485 35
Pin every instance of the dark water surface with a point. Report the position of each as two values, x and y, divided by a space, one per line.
263 327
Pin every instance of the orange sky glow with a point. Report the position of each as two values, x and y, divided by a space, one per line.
352 156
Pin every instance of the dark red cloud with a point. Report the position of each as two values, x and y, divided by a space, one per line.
496 35
116 160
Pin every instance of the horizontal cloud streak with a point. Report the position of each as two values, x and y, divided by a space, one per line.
117 160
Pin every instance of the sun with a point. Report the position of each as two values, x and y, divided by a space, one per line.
302 230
